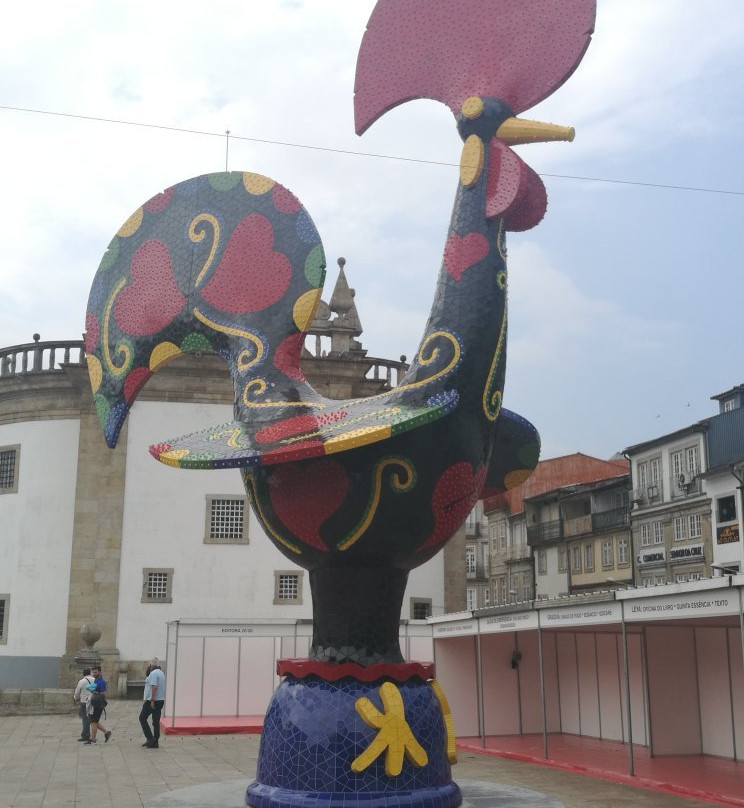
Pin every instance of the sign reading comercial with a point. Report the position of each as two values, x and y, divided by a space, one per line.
652 556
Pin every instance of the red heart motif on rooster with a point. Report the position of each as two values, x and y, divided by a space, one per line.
461 252
250 276
455 493
303 497
152 299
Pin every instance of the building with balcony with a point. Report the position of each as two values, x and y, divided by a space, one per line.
588 536
528 546
671 513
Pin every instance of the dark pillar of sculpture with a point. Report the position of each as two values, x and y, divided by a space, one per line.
356 614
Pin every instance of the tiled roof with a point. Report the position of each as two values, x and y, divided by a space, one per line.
556 473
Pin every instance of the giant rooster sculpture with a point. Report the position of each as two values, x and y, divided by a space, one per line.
358 492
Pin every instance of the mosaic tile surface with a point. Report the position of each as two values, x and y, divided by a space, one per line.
314 733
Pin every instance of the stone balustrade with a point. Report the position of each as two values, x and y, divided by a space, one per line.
40 357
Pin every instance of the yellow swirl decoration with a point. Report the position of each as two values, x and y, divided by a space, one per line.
233 332
492 398
198 235
122 347
250 488
246 360
425 360
398 484
257 387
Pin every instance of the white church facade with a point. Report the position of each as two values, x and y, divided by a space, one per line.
111 537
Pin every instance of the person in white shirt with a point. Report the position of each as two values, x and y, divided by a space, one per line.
153 704
82 696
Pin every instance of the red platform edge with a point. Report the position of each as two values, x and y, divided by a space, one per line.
332 671
639 781
212 725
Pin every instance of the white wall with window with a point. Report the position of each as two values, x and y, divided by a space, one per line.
169 515
36 509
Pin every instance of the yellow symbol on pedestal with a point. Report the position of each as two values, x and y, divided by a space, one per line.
394 736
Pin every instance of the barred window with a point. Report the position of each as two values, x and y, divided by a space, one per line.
420 608
157 585
287 587
9 457
226 521
4 612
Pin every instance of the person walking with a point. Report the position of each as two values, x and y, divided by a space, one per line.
82 696
154 696
96 706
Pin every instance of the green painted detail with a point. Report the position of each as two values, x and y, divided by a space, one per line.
225 180
110 256
315 265
102 408
196 343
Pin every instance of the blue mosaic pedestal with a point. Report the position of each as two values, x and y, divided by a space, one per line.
313 733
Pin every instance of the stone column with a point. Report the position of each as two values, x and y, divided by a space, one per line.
97 537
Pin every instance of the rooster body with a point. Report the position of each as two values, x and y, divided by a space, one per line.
358 492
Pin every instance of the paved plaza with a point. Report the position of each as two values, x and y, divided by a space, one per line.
43 764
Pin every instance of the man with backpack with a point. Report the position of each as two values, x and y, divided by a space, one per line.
97 706
82 696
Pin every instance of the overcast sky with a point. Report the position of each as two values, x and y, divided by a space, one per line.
625 302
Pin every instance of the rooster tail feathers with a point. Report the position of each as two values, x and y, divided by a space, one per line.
228 263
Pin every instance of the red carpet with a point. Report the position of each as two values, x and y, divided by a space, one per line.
717 780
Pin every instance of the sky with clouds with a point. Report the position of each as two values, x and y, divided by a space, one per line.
625 302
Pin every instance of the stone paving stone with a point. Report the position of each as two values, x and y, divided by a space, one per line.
43 766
